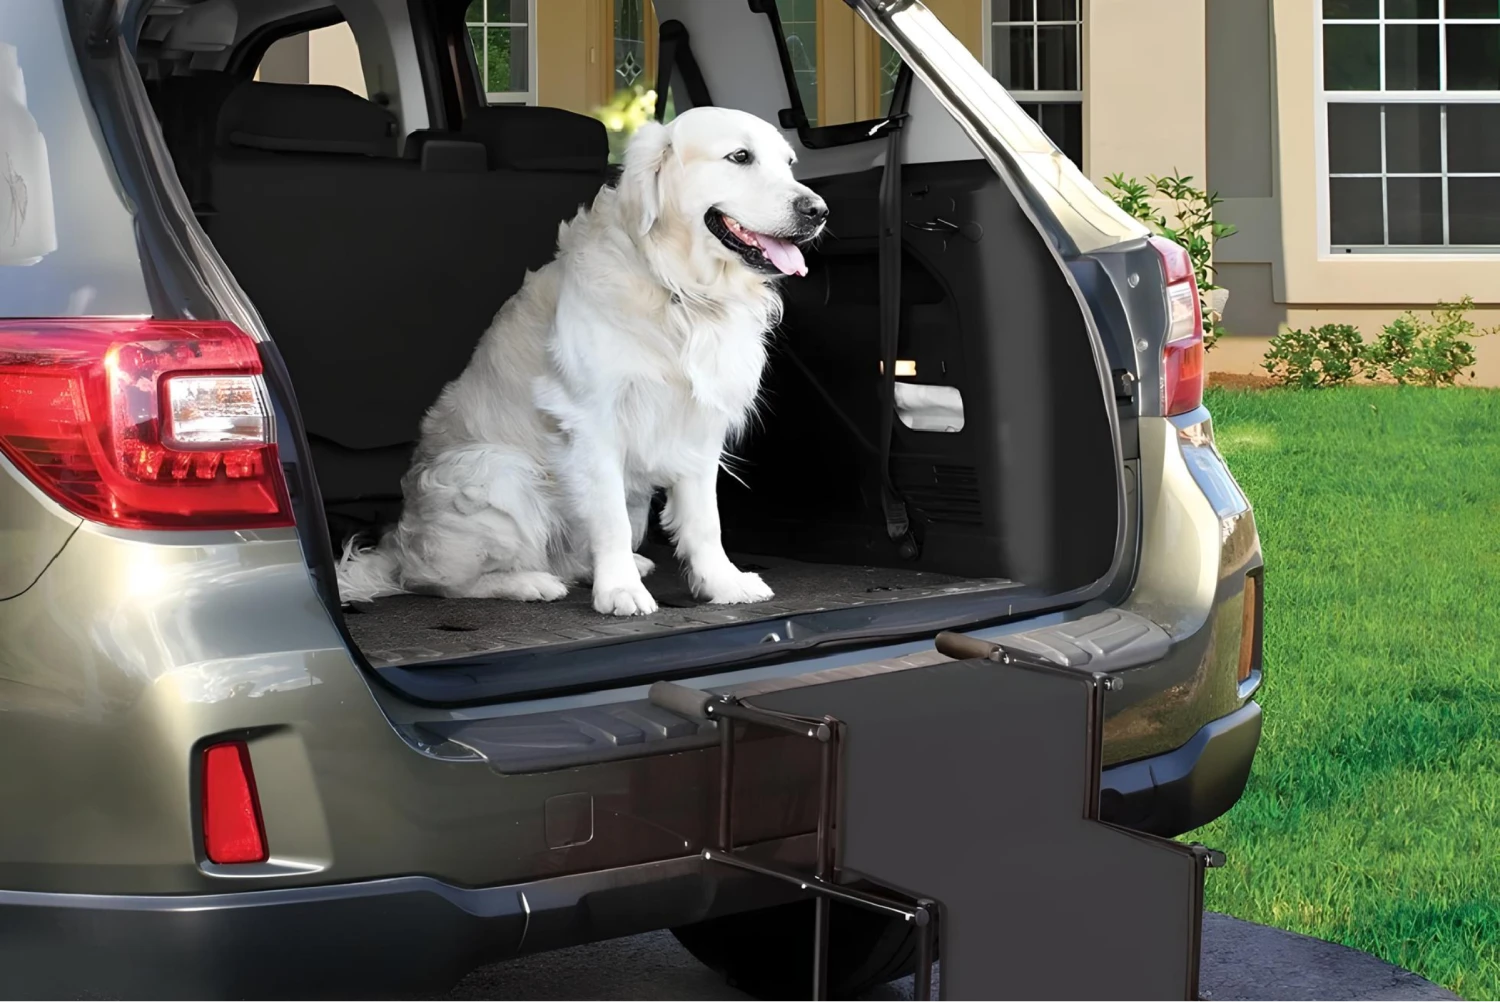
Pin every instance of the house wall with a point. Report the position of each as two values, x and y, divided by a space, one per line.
1263 157
1144 77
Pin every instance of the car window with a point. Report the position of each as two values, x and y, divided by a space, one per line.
322 56
841 70
67 239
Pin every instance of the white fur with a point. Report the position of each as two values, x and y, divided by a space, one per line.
623 365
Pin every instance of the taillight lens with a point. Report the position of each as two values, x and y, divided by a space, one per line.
142 424
232 828
1182 355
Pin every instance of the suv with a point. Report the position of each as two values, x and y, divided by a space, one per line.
227 302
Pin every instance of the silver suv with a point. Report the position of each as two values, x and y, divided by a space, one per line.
225 304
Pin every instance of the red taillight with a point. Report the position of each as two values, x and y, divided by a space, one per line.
232 829
1182 354
142 424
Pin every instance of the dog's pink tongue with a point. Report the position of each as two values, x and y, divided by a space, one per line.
784 254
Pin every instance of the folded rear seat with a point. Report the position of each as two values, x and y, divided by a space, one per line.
376 274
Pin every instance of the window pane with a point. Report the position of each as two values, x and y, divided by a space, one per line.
475 14
1395 9
1411 56
1354 211
1351 57
1473 57
1416 209
1334 10
507 11
507 55
1057 52
1012 56
1413 139
1063 124
476 36
1473 8
1354 139
630 43
890 71
1479 222
1013 10
1474 138
1057 10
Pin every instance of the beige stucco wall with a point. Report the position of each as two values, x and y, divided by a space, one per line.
333 58
1144 87
1312 276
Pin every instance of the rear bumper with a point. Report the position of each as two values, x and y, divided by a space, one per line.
401 937
417 935
1190 786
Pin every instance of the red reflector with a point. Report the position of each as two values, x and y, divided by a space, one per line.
114 420
232 830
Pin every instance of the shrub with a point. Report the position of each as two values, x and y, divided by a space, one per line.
1195 228
1428 353
1329 355
628 110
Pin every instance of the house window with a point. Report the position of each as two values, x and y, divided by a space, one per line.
1410 106
630 45
1035 51
501 32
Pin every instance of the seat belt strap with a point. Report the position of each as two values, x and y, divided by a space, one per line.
897 517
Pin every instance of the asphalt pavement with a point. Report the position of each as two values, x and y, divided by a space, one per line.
1240 961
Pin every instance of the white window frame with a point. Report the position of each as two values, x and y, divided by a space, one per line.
1035 96
527 96
1323 98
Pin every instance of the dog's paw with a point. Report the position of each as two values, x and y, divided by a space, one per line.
538 586
518 586
644 564
624 600
738 589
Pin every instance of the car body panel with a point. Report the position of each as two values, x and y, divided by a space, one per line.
122 654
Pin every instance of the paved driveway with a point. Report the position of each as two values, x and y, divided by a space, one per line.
1240 961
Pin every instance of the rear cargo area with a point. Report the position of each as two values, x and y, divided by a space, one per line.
376 261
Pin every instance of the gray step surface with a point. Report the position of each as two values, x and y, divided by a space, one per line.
1241 960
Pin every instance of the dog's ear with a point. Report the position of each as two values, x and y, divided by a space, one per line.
640 183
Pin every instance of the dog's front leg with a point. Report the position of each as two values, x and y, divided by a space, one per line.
692 517
597 485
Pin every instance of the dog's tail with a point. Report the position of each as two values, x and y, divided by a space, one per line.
368 572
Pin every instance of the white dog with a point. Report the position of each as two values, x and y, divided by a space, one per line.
624 365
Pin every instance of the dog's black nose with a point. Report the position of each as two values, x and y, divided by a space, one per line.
811 207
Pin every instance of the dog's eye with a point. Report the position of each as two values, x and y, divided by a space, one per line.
741 157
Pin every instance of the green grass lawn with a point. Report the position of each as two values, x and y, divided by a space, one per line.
1372 817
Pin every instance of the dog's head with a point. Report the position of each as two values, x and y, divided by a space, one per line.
721 180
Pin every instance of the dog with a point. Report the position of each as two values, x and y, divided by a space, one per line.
628 363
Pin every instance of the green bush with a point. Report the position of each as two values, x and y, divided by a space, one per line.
1428 353
1195 227
1409 350
1330 355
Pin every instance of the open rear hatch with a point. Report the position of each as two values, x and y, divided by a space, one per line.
936 451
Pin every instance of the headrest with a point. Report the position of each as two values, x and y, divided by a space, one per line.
305 118
521 137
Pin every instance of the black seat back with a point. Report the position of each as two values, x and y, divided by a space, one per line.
377 274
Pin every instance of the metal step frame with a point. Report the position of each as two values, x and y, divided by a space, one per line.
890 807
